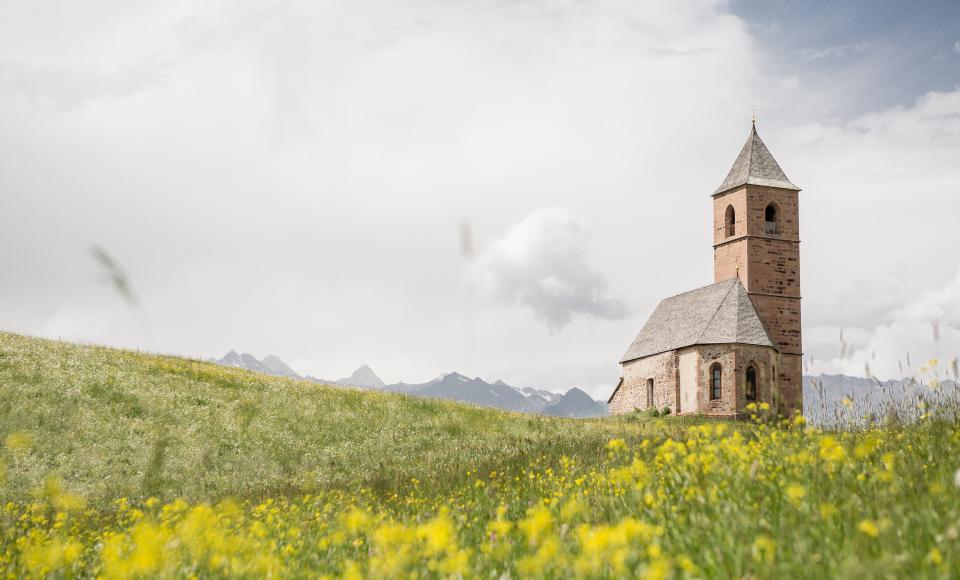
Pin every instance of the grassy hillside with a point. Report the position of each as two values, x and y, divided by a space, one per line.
112 423
120 465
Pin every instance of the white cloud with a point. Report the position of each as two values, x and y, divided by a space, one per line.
880 196
541 264
62 87
924 328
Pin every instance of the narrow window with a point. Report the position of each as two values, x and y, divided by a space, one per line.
770 220
751 391
715 381
731 221
649 392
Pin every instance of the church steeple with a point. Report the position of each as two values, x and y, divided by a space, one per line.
755 166
756 225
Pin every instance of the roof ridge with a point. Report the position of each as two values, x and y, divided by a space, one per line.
698 289
753 148
719 306
763 323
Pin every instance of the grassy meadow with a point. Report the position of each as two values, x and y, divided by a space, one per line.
117 464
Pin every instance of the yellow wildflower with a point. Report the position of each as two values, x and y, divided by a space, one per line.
537 524
572 510
351 571
869 528
764 550
356 521
831 451
796 493
827 510
615 446
438 534
19 443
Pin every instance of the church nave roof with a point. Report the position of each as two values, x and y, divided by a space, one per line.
720 313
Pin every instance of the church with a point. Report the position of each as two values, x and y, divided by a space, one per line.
716 349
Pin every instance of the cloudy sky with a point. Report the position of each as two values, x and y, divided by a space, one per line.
505 188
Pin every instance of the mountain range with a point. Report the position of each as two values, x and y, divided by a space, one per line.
457 387
452 386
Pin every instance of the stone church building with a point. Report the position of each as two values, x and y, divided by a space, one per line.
716 349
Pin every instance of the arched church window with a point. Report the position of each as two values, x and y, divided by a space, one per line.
751 391
716 374
770 219
649 392
731 221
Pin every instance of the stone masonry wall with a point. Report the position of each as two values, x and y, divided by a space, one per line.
730 261
723 354
738 200
781 317
734 360
788 211
662 368
790 374
773 266
778 380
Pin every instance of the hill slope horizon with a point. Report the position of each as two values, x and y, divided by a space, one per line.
112 423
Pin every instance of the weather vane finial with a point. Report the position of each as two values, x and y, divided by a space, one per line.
753 115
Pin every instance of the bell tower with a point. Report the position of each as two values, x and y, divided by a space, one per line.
756 237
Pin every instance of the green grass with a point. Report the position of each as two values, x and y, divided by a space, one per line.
112 423
292 479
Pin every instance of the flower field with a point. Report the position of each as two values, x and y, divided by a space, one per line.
656 498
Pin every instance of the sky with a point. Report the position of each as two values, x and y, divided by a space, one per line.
505 189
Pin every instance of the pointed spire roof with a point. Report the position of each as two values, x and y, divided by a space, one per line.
755 166
720 313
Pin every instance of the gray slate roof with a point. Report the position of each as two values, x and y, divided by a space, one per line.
720 313
755 166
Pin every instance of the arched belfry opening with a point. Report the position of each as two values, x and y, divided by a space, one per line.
770 215
731 221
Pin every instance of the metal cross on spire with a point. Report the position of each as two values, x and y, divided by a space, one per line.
753 115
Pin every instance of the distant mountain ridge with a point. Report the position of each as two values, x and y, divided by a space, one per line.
362 377
500 395
451 386
270 365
